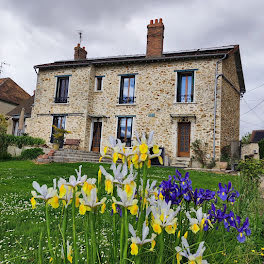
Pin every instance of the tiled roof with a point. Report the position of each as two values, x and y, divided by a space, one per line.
11 92
217 52
26 104
256 136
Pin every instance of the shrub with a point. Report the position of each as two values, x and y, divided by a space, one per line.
261 148
21 141
226 153
246 139
199 153
3 124
31 153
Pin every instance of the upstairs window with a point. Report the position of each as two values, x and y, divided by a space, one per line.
62 90
127 90
124 130
99 83
185 87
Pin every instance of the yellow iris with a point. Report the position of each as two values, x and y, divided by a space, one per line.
195 228
108 186
105 149
179 258
160 160
77 202
129 188
153 243
82 209
170 229
103 208
133 209
155 149
186 234
149 164
87 187
62 191
134 249
135 158
143 156
143 148
160 196
33 202
69 255
100 159
114 208
99 176
54 202
156 228
115 157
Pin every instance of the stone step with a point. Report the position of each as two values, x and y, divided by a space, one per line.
76 155
78 159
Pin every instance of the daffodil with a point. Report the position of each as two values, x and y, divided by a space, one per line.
138 241
197 223
196 258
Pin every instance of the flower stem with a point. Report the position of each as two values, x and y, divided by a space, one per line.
161 248
121 239
114 234
94 249
126 237
87 238
48 232
64 227
40 248
74 228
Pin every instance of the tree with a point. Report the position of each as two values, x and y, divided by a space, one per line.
3 124
246 139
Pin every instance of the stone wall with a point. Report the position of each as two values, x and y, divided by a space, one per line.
250 150
230 103
155 91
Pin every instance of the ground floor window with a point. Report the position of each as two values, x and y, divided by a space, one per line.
58 121
124 130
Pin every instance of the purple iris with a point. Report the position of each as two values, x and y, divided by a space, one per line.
227 193
242 229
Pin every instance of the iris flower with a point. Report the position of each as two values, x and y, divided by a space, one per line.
127 201
90 202
227 192
65 192
164 217
196 258
197 223
49 195
137 241
74 182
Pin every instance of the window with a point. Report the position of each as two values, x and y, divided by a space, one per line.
58 121
124 130
99 83
127 90
185 87
62 90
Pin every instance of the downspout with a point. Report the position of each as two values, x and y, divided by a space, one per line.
215 100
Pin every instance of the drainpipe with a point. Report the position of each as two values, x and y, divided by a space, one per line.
215 102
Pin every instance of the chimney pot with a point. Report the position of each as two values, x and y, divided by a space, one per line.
155 38
79 52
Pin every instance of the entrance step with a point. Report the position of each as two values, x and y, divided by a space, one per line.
181 162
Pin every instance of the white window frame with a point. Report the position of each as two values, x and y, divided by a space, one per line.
95 83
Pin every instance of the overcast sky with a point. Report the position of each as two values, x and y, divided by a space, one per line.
35 32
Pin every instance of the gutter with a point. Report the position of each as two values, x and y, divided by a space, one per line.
215 99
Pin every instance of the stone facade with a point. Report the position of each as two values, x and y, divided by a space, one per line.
155 107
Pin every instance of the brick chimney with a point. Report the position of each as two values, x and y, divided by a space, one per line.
79 53
155 38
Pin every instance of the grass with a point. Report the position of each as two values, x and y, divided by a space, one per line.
20 226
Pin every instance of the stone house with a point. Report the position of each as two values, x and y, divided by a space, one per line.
182 96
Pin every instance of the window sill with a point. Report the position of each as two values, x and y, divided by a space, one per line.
126 104
60 103
184 103
98 91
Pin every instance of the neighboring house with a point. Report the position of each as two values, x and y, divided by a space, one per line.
182 96
251 150
26 107
11 95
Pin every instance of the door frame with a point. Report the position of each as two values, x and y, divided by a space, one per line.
178 140
92 130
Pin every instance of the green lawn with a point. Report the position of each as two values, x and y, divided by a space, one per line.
20 225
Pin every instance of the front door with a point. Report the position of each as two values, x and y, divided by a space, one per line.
97 128
184 131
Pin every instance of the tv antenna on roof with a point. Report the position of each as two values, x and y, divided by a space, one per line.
80 36
1 66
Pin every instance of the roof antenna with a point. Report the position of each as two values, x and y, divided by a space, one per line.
80 36
1 66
